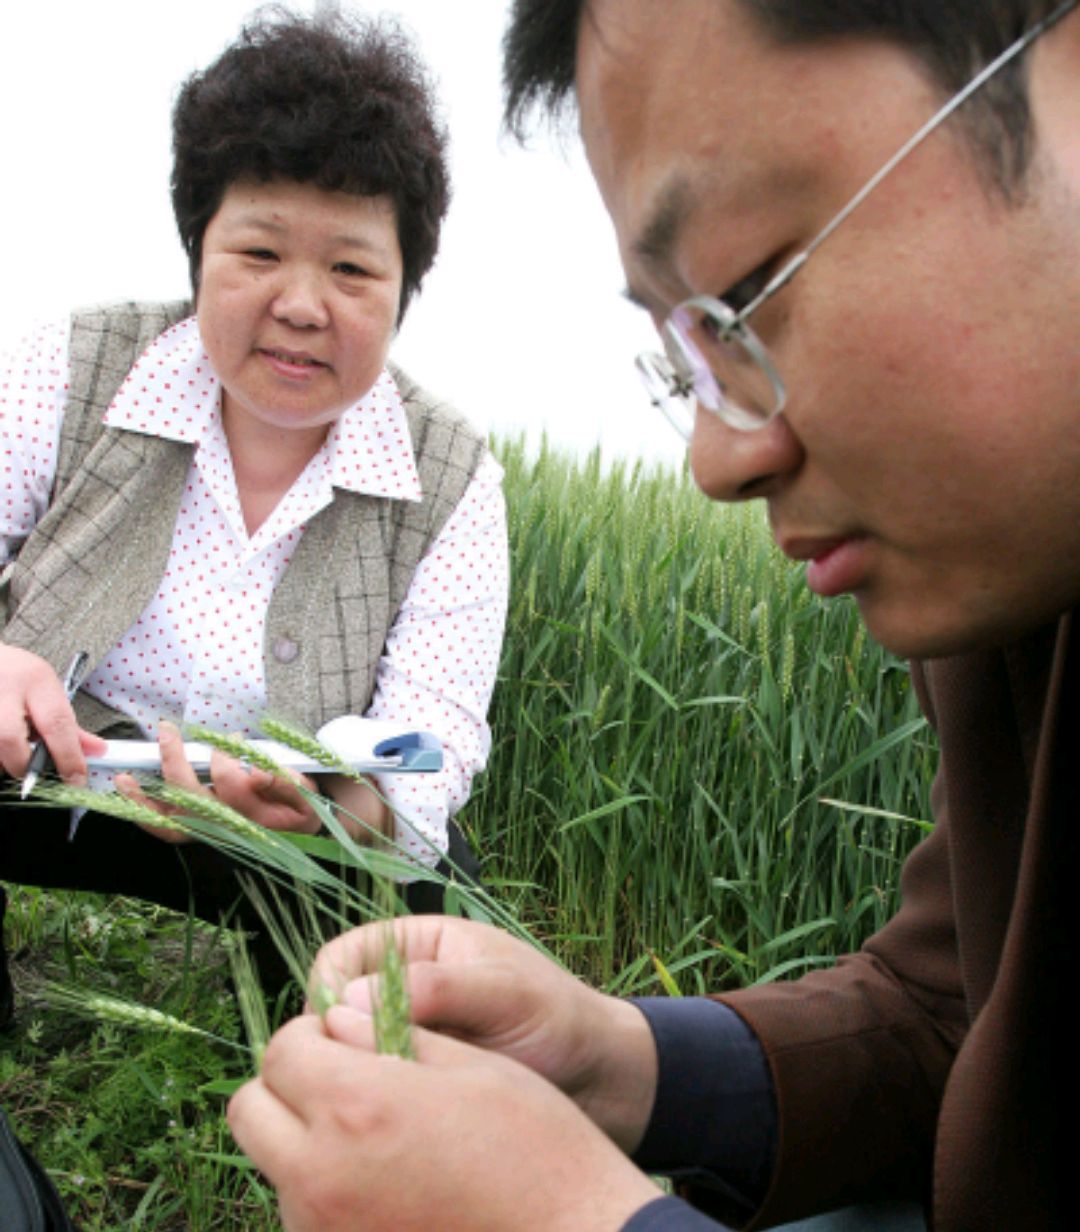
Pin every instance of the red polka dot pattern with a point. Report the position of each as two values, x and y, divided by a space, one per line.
33 389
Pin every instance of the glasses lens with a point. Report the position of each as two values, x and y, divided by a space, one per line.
668 392
730 369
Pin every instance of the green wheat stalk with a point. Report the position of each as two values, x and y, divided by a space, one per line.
249 997
112 803
209 808
295 942
391 1009
236 747
99 1006
302 742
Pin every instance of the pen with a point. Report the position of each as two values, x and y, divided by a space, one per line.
39 754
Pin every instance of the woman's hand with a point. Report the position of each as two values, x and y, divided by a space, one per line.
459 1139
362 811
263 798
480 985
33 705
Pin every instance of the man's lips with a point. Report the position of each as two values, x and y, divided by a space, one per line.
836 565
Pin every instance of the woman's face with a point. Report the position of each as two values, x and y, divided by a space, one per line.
298 299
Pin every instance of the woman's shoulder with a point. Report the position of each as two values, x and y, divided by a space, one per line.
125 328
426 410
447 448
105 343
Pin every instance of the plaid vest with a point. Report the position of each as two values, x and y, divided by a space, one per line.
95 559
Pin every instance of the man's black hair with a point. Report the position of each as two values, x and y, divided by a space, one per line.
340 102
951 39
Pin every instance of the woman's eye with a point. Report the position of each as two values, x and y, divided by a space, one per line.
349 269
260 254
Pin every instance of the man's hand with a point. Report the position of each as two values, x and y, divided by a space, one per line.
33 704
460 1139
263 798
482 986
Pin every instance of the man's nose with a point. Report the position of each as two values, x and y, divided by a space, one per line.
732 464
300 300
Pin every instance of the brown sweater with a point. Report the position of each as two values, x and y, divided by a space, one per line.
932 1063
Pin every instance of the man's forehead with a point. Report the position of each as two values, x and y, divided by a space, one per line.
633 115
691 105
660 131
691 79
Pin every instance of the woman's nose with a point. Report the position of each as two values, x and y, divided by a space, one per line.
300 299
731 464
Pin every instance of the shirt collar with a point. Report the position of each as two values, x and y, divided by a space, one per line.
173 392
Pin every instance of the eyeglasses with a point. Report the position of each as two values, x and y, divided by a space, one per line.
715 360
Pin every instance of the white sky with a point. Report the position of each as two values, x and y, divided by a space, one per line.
520 323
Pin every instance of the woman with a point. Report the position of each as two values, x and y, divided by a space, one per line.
243 510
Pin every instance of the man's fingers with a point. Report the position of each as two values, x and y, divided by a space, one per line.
305 1066
419 938
462 976
308 1070
345 1025
266 1128
478 1001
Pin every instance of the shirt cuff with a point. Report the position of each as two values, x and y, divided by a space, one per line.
669 1215
714 1120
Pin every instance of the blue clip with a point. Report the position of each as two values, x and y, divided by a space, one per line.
419 751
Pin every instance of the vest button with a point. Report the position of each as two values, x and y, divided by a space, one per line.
284 649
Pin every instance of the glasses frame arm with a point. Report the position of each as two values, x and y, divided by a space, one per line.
797 262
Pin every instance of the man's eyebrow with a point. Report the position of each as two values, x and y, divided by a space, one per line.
663 224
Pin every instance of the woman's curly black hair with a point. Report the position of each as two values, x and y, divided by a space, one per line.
340 102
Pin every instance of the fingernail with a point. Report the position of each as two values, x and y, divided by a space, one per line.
341 1015
356 996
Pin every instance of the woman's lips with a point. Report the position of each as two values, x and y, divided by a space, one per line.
292 364
834 566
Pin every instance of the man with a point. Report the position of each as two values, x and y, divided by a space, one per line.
906 399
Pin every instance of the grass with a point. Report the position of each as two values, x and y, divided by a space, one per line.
701 776
126 1117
